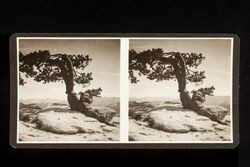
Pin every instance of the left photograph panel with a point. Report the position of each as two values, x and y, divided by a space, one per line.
68 90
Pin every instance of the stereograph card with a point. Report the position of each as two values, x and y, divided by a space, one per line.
124 90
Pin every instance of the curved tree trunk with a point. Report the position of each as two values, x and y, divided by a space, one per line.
187 101
67 74
180 73
73 101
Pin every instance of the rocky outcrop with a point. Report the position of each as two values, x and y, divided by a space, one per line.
179 121
54 122
168 121
140 131
67 123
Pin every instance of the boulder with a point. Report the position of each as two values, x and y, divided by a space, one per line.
67 123
103 114
179 121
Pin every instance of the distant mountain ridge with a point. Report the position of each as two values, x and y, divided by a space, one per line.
110 102
63 101
223 101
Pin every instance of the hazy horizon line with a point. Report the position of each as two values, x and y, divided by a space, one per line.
128 97
66 98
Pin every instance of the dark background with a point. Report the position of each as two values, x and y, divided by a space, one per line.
119 17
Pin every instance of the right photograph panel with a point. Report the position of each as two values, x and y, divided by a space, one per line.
180 90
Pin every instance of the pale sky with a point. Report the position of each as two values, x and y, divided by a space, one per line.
217 66
105 65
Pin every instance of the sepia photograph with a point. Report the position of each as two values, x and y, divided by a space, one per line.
68 90
180 90
124 91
